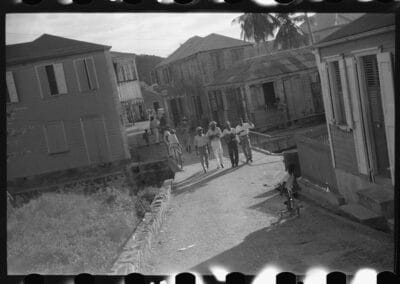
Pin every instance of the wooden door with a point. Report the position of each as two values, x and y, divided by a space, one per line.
375 115
96 139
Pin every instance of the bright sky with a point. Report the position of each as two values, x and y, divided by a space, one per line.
142 33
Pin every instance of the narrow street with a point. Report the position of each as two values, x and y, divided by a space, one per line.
223 218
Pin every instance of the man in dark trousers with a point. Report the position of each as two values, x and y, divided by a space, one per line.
231 139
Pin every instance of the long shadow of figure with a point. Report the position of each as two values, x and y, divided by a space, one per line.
200 179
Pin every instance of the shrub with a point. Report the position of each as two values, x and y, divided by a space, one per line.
70 233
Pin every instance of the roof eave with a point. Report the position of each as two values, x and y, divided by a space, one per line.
355 36
20 60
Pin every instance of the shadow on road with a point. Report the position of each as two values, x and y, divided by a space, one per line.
200 179
299 244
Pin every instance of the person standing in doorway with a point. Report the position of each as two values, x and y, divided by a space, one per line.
214 134
243 130
231 139
201 147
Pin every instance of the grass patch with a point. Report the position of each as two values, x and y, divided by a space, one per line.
71 233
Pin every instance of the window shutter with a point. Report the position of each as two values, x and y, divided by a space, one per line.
385 68
346 96
91 73
56 139
44 84
82 75
354 94
325 86
60 78
12 90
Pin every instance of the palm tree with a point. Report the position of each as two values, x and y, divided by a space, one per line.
259 27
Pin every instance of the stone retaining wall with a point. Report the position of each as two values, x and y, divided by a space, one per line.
138 247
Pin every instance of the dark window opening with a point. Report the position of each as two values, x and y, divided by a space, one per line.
269 94
51 77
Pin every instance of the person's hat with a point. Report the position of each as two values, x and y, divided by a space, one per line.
199 128
213 123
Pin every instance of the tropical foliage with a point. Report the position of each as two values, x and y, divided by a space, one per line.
260 27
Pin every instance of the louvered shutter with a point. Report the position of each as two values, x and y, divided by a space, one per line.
345 93
354 94
60 78
387 91
11 88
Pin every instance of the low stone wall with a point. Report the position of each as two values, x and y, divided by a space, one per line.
139 244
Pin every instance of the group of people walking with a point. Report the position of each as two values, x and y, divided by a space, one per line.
232 137
206 140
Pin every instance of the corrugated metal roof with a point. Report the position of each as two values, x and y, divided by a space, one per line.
366 23
47 46
270 65
198 44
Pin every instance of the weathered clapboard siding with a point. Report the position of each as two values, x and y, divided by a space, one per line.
33 112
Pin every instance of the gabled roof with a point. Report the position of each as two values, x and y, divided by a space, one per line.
260 67
366 23
198 44
48 46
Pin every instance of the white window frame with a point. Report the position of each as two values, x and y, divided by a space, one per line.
96 83
54 63
347 125
11 90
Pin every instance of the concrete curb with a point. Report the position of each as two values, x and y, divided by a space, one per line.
138 247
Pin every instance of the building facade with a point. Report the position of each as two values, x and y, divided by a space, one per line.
62 107
356 65
186 72
269 89
128 83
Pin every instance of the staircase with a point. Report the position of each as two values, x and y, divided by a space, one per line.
375 207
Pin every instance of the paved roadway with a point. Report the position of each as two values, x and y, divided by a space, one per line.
225 218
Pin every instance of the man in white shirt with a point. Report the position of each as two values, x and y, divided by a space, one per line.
214 134
242 130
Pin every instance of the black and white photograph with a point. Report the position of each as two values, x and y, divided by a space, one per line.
202 142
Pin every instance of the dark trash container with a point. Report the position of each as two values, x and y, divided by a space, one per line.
292 157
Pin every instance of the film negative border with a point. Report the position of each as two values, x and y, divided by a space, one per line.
234 5
188 278
200 5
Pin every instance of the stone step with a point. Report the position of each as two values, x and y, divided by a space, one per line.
365 216
378 199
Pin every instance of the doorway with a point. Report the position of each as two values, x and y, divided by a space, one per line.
374 120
